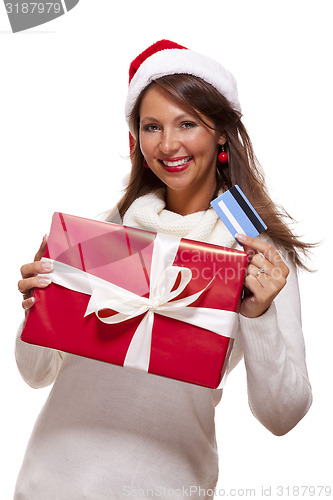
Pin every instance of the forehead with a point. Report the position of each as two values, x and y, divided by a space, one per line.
159 102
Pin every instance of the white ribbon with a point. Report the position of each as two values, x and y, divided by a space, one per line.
106 295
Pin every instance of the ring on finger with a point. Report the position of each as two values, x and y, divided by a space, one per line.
260 271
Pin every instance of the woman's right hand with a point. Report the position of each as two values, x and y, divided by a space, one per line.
30 280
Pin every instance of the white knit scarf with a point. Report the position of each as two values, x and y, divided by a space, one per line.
149 212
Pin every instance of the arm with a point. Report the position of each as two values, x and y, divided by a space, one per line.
38 366
278 386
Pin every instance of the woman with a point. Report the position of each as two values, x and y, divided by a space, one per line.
108 432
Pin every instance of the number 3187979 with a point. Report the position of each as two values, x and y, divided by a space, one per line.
33 8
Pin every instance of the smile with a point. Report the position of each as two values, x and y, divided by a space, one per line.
176 164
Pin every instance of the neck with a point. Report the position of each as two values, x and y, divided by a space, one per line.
185 203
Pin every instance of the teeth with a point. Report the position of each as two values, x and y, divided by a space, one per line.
177 163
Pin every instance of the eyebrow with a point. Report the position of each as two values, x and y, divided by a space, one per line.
177 118
149 119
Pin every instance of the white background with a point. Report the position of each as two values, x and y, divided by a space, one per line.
64 147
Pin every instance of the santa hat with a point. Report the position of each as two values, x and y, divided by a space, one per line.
168 58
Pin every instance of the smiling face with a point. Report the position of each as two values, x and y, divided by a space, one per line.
180 150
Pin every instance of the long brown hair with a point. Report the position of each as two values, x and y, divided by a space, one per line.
201 98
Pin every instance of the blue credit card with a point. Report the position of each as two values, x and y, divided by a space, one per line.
237 213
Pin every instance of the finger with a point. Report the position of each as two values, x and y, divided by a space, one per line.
253 270
258 274
41 249
278 273
28 303
37 267
268 289
272 283
263 294
253 284
265 248
26 285
260 262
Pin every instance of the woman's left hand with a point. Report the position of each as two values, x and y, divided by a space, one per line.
266 276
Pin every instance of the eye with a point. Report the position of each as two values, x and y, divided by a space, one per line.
188 125
150 127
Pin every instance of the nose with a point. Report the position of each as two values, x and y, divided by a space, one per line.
169 142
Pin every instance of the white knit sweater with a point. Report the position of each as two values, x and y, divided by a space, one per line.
107 432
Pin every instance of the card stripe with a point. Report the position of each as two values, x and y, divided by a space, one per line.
223 217
231 218
254 217
239 214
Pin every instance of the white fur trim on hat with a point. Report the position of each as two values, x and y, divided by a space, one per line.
176 61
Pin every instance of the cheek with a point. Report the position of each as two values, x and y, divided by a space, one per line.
147 145
141 144
204 144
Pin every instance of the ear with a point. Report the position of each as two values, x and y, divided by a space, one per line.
222 139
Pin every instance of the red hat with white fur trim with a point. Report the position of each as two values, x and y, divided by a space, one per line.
168 58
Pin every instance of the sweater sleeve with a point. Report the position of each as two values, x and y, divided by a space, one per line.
279 390
38 366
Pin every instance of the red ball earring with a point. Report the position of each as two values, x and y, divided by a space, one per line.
145 164
223 156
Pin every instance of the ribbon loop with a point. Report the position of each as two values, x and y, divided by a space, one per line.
167 280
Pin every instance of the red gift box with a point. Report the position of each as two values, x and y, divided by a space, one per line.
136 298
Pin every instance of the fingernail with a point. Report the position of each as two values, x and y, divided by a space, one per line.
241 237
28 303
47 266
44 281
